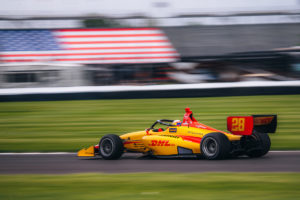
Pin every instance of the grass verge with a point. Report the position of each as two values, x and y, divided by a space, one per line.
71 125
275 186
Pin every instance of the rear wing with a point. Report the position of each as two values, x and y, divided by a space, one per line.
245 125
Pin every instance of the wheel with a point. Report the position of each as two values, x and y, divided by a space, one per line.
215 146
111 147
260 144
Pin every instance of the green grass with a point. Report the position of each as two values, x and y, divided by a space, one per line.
221 186
71 125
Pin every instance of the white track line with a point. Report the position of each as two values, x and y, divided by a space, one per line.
124 88
287 151
39 153
74 153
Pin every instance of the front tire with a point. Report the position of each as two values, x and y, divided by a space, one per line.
215 146
111 147
261 144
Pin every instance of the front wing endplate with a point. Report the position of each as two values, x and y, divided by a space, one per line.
87 152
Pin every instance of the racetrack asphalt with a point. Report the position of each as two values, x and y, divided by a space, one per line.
275 161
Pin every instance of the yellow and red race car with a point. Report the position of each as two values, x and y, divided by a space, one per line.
248 135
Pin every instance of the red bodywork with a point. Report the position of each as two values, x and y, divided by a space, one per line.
240 125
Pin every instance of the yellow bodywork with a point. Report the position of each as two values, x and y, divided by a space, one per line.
166 142
87 152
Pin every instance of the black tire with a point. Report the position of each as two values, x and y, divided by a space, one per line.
260 146
111 147
215 146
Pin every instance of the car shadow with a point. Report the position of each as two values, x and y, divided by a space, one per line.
150 157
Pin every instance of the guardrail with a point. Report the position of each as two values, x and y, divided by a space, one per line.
151 91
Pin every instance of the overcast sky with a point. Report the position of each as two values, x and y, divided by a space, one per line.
152 8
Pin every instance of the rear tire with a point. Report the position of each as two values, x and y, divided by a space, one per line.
111 147
215 146
261 145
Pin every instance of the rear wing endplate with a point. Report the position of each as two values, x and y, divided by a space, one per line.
265 123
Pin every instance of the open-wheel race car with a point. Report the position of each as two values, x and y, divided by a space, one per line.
248 135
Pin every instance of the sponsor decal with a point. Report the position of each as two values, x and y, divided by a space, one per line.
172 130
161 143
172 136
185 124
191 132
263 120
200 126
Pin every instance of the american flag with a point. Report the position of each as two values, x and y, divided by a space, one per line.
103 46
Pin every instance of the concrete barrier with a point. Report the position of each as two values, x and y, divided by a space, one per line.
151 91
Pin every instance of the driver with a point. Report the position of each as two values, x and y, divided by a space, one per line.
176 123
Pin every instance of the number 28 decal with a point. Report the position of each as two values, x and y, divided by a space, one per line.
238 124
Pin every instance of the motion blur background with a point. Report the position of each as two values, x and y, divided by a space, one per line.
156 48
59 43
138 50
